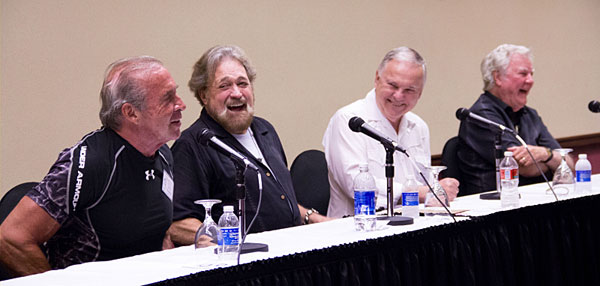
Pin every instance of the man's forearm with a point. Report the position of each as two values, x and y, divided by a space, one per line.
23 260
183 231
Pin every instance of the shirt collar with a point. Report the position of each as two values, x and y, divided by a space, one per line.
503 105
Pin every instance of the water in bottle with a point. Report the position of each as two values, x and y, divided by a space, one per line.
410 197
364 200
509 180
229 230
583 174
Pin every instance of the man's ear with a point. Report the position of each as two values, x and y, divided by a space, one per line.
496 76
203 95
130 113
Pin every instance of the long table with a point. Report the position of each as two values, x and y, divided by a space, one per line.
543 242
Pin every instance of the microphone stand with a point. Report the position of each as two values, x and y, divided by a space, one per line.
389 174
498 154
240 193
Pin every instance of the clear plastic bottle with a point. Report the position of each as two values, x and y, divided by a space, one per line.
410 197
229 230
509 180
583 174
364 200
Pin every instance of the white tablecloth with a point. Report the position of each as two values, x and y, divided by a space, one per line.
181 261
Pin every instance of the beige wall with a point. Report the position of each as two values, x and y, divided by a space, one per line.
312 57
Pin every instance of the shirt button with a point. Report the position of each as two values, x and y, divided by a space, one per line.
283 197
268 174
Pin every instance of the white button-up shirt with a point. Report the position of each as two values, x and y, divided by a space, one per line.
345 150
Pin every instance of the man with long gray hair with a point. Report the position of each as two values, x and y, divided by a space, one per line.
223 82
109 196
507 73
399 82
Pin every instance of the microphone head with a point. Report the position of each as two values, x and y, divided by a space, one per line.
355 123
462 113
205 135
594 106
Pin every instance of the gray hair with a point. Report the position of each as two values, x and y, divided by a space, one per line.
205 68
124 82
404 54
498 60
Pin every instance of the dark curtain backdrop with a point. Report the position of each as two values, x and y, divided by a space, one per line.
551 244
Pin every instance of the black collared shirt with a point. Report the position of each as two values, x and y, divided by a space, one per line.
476 142
203 173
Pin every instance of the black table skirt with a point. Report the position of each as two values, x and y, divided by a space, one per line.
551 244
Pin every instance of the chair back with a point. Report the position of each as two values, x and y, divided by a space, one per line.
450 159
12 198
309 177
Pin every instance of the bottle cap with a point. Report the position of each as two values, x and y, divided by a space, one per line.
228 209
583 156
507 153
363 167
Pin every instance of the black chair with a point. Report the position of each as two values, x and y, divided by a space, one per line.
450 159
12 198
309 177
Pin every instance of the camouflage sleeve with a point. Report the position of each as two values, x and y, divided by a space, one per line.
60 192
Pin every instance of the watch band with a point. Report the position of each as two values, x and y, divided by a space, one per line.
550 155
308 213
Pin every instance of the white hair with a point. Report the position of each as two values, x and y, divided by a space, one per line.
498 60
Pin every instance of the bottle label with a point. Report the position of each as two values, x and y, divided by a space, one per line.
509 174
364 202
410 199
584 175
230 235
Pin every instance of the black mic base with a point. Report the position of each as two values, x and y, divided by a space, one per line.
397 220
490 196
249 247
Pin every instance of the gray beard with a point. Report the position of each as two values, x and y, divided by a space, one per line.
233 125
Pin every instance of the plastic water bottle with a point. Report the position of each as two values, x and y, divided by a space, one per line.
228 238
509 180
410 197
364 200
583 174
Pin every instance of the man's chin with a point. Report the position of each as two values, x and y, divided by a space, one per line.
236 124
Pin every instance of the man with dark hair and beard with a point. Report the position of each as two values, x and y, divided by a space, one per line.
222 81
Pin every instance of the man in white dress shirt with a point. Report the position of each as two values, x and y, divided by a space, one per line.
399 82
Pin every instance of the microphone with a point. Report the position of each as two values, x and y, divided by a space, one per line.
207 136
357 124
594 106
463 113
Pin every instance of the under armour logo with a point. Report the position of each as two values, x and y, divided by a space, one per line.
149 174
